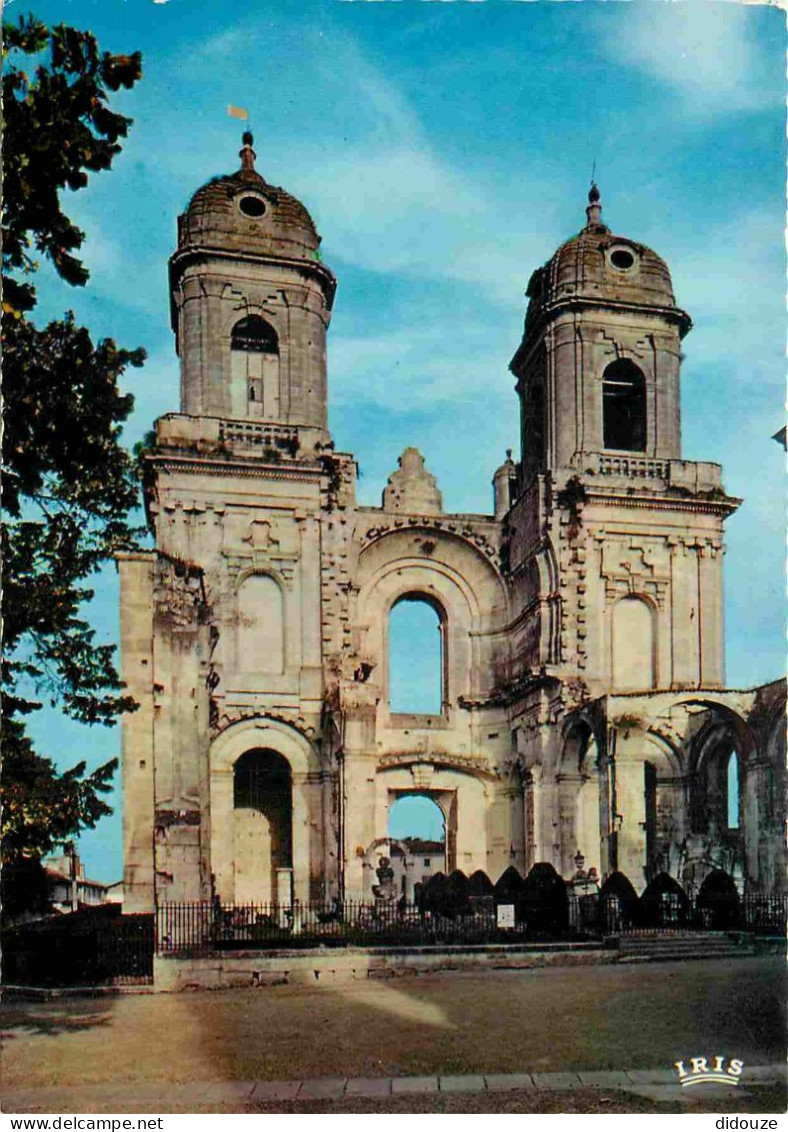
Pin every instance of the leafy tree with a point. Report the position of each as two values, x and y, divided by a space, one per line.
68 487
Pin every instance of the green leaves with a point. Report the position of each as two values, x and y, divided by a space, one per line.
41 808
58 127
69 489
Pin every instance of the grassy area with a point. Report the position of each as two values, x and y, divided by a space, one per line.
564 1018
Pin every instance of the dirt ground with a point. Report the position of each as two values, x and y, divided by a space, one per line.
618 1017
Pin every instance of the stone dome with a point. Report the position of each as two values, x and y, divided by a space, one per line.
598 266
243 213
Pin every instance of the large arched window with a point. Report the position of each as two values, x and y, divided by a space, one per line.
260 625
624 407
254 363
415 657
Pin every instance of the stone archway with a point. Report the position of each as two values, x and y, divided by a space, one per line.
262 828
296 751
425 855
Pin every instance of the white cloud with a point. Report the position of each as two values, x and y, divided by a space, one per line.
383 197
732 280
417 367
705 51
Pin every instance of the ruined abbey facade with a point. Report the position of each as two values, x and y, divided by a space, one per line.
583 706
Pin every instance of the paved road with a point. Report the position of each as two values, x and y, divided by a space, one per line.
540 1021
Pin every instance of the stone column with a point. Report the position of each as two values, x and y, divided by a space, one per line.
359 793
303 789
630 799
223 833
685 617
711 613
136 652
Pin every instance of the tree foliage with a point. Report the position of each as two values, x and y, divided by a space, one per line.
69 488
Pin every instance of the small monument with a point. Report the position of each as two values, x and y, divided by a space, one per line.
385 891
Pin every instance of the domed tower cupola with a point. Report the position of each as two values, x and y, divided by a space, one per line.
598 366
251 302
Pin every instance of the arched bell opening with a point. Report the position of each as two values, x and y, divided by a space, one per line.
254 366
624 407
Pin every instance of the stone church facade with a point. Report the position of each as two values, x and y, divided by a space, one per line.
583 705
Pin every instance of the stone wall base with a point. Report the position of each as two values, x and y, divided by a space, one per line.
311 968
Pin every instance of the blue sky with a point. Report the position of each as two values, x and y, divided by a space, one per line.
444 151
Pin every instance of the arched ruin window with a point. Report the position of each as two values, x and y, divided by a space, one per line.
633 645
416 659
260 634
732 780
263 826
624 407
717 785
254 363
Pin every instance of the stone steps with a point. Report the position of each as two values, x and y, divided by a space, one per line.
683 945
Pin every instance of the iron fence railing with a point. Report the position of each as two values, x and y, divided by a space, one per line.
194 927
757 913
98 948
199 926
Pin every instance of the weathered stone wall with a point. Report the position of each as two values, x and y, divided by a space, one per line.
582 701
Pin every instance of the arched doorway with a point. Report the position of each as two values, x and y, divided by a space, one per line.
262 827
418 823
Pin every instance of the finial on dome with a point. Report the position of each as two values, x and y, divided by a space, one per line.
594 209
247 154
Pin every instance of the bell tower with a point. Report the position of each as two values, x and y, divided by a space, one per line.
616 541
224 621
250 305
598 368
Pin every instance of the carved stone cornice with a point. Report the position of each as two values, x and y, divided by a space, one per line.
663 501
229 714
253 468
468 764
430 525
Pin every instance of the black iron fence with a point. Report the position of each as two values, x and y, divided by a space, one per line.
185 928
206 926
80 949
760 914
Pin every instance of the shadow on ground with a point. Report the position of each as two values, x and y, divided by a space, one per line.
612 1017
63 1016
